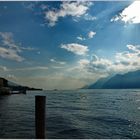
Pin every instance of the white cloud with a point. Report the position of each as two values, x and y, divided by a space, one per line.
115 18
7 40
38 52
75 48
29 5
131 14
99 65
128 60
124 62
91 34
91 69
11 76
83 71
74 9
44 6
58 67
28 48
135 48
52 60
83 62
87 16
58 62
11 50
80 38
16 73
10 54
31 68
3 68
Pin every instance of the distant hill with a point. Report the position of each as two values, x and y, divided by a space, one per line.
15 87
12 84
119 81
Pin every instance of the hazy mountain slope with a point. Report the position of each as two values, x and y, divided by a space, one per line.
119 81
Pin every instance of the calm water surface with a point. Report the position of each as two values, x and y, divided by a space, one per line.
74 114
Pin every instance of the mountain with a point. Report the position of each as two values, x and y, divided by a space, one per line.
99 84
119 81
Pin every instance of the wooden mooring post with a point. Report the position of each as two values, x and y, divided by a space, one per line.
40 102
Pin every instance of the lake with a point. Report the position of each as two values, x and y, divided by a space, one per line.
88 114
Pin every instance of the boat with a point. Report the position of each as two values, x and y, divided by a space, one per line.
18 92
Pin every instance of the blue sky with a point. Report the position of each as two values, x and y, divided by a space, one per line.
67 45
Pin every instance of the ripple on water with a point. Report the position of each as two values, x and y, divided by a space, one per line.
83 114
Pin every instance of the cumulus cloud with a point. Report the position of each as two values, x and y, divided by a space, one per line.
83 62
97 65
74 9
123 62
90 70
130 59
83 70
91 34
129 14
75 48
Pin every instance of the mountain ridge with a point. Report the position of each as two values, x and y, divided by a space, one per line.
119 81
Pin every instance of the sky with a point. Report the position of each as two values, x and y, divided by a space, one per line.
68 44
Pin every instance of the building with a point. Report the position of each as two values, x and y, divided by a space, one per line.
3 82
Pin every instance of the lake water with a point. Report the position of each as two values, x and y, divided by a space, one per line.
74 114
